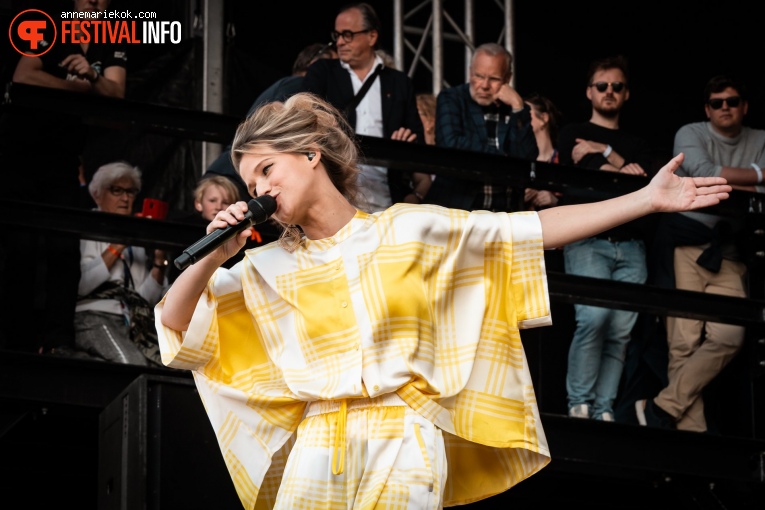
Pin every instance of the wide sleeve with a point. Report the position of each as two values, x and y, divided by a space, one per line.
252 412
528 275
490 278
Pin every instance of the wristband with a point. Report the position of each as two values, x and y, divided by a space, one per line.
115 252
759 172
608 151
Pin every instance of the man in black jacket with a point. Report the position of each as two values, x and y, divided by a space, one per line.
387 110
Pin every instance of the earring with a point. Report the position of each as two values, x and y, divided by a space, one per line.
311 155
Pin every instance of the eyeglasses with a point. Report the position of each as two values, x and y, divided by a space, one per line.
118 192
717 103
347 35
602 86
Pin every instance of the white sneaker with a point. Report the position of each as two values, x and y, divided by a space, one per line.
606 416
579 411
640 412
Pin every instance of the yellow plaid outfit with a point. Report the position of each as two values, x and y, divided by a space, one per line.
395 458
421 301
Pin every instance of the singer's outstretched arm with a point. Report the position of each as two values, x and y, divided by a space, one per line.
666 192
182 298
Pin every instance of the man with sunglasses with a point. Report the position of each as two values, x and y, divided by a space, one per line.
598 348
388 109
701 252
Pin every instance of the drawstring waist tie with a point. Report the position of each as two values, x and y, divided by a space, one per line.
341 406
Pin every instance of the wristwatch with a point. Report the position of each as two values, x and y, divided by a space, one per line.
97 69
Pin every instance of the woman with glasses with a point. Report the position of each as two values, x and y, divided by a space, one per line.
119 284
370 360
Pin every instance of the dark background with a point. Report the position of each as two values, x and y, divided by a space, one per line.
673 49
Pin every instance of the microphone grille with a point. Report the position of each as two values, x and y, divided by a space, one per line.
262 207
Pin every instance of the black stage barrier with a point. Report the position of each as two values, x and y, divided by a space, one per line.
112 436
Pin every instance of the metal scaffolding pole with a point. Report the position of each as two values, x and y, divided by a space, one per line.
212 82
470 34
438 46
509 33
440 26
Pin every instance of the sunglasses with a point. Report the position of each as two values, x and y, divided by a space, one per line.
732 102
347 35
602 86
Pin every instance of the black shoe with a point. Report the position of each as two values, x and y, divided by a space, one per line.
648 413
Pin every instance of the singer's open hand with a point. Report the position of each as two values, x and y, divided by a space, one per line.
231 216
670 192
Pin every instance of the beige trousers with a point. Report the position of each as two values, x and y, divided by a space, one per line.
694 360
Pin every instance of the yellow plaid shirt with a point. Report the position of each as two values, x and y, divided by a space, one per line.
422 301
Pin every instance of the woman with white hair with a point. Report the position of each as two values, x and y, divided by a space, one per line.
119 284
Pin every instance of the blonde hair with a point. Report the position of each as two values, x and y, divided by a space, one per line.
229 188
427 103
303 123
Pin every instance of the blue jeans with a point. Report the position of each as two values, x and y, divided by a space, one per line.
597 352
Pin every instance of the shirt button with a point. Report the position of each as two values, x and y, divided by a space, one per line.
376 388
344 304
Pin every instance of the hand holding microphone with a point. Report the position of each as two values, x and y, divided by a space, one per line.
258 210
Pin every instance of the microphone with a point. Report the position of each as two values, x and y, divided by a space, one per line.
258 211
